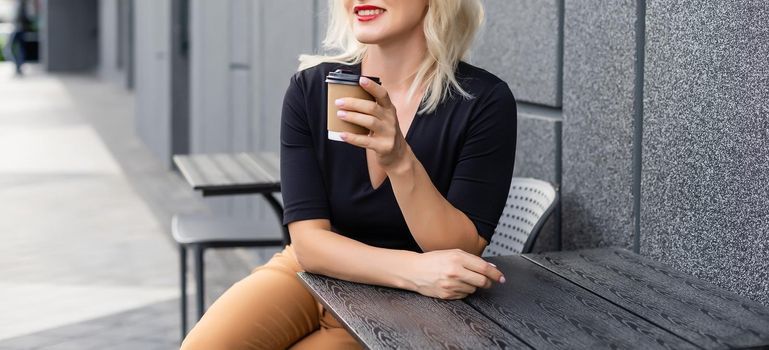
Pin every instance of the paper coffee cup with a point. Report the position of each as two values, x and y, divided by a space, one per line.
341 84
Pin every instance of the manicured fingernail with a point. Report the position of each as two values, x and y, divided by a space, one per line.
364 81
343 136
339 102
341 114
492 265
502 279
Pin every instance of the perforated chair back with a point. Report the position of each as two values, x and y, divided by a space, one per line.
529 203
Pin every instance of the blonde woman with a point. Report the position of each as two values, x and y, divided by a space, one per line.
411 205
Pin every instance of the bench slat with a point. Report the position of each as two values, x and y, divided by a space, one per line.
192 174
235 171
212 172
266 163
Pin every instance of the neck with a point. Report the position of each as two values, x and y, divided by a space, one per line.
396 62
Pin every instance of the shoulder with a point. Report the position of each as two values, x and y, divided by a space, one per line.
491 96
481 83
492 104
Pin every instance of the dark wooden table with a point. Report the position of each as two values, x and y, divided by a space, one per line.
589 299
226 174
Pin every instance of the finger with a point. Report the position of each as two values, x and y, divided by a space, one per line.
359 105
364 120
363 141
376 90
458 296
475 279
451 295
464 288
483 267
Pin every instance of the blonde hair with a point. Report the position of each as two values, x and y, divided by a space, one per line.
449 27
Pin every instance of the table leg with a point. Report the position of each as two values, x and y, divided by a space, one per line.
200 284
183 287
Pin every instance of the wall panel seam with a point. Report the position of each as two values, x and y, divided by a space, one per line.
640 37
559 52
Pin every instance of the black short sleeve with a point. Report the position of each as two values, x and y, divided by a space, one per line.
304 195
484 169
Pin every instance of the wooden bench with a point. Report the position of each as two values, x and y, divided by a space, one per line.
225 174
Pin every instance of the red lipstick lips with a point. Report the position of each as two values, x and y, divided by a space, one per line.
366 13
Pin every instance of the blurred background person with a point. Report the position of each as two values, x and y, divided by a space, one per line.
15 48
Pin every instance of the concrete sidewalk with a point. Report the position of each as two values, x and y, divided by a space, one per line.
86 260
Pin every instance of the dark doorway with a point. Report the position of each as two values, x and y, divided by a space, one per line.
180 77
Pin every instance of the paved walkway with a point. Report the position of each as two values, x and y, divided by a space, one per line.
86 260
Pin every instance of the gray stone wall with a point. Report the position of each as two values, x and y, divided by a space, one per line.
538 155
599 61
705 183
665 126
520 41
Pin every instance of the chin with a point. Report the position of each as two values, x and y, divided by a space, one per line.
370 35
369 39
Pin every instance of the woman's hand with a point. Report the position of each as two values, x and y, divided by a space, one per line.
385 138
452 274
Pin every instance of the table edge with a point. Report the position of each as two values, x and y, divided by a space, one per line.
179 161
330 309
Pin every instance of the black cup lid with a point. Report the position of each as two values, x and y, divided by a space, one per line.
347 77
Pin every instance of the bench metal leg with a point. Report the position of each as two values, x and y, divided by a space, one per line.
199 280
183 285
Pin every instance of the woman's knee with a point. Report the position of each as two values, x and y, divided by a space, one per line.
268 309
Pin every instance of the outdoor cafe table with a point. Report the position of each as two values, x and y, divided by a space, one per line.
219 174
224 174
589 299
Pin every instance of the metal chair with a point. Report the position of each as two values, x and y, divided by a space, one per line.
200 232
529 204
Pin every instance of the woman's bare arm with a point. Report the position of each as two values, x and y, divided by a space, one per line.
322 251
447 274
434 222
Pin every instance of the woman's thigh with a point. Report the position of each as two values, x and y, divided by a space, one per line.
330 335
334 338
269 309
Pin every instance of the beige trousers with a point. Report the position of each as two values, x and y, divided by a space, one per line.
269 309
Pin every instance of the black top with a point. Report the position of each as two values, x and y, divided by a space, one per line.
467 146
